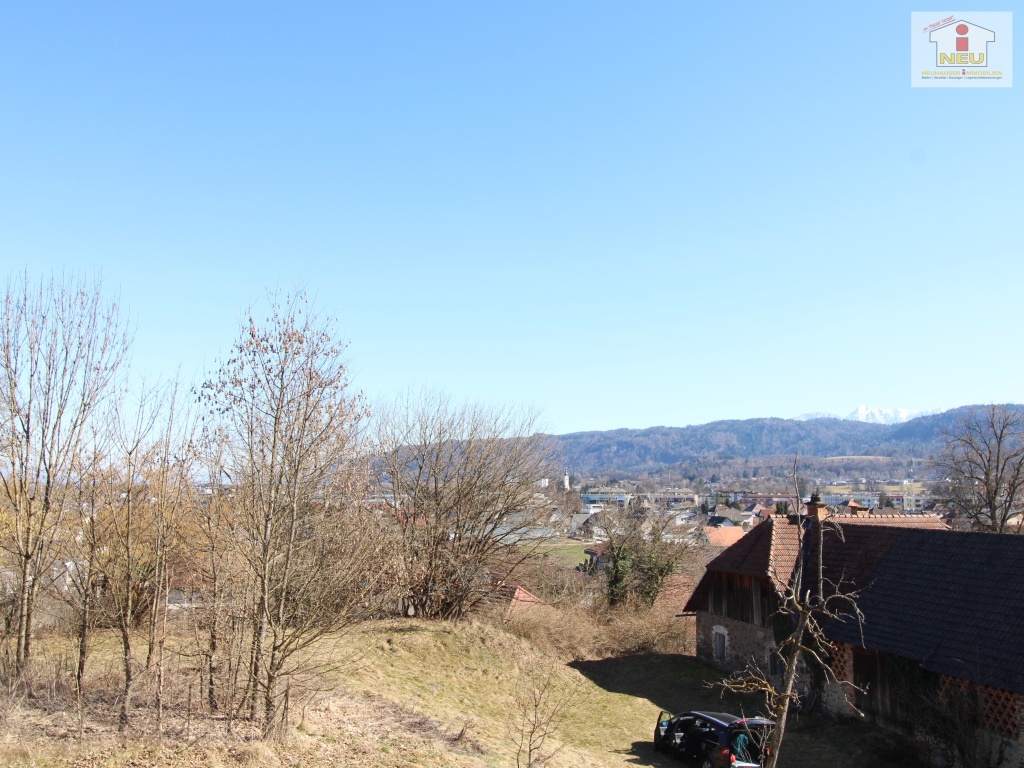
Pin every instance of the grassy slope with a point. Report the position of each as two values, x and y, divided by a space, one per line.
417 686
455 673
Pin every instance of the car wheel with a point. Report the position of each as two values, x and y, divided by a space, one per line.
707 763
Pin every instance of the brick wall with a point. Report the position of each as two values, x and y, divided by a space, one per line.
836 697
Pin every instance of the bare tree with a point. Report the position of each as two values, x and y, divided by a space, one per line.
81 553
805 605
215 558
172 499
147 484
61 346
311 557
983 467
460 483
542 701
83 572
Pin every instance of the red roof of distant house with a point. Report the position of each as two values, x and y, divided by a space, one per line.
724 536
853 503
601 549
523 600
523 595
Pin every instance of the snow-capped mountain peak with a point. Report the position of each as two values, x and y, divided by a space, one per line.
881 415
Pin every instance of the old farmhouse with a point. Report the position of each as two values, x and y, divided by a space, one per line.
940 653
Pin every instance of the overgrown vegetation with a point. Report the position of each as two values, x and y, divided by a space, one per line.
255 508
196 577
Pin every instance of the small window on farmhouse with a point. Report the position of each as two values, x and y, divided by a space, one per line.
719 643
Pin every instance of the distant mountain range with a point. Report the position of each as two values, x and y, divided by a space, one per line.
870 415
636 450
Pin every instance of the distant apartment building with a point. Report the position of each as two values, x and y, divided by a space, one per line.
606 496
910 502
768 499
905 501
867 499
676 496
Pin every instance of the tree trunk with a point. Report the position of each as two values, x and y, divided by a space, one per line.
782 708
256 660
270 705
160 663
24 646
159 577
211 654
126 701
83 633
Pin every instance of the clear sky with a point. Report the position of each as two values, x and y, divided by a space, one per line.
625 214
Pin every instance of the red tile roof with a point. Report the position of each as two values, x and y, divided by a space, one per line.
770 550
898 519
724 536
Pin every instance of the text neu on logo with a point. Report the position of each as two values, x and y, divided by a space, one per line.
961 44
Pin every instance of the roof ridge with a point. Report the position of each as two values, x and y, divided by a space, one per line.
773 572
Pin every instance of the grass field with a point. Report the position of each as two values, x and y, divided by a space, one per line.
565 552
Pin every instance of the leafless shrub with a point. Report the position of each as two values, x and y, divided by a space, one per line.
638 631
459 483
542 701
570 633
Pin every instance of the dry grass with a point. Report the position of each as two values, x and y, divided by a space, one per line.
427 694
574 633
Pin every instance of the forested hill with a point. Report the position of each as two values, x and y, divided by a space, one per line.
630 450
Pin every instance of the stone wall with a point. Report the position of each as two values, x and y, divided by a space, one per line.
741 642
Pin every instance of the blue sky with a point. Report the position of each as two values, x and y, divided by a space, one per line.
625 215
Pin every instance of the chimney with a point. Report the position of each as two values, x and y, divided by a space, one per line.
815 509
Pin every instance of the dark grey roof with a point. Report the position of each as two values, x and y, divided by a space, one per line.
952 601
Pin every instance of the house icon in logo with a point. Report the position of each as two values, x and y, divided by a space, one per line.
961 44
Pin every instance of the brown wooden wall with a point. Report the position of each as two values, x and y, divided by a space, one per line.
742 598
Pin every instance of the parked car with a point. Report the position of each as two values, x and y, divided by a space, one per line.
714 739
